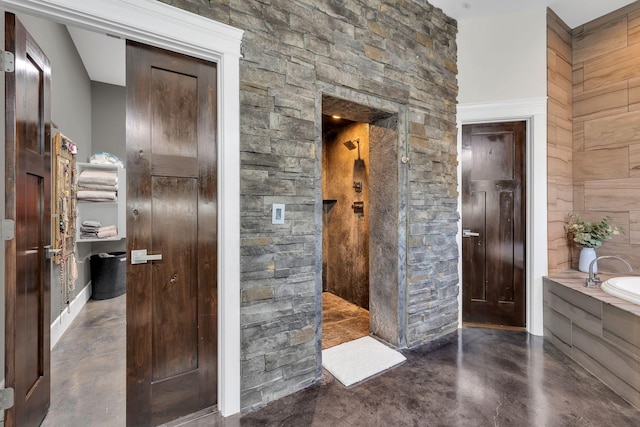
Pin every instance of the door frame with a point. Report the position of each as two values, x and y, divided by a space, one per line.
390 312
534 113
171 28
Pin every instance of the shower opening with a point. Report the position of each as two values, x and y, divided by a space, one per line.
358 147
345 220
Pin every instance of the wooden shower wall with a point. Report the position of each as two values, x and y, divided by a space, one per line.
559 141
602 158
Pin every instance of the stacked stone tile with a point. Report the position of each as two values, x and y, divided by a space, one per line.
402 51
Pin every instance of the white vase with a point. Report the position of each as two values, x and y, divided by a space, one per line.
586 256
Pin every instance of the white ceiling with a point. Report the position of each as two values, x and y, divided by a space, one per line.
104 56
572 12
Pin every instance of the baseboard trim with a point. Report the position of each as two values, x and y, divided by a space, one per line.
62 322
1 412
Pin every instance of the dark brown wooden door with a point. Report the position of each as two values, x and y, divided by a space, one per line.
172 211
493 223
28 198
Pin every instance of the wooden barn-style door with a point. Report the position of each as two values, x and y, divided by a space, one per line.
28 204
493 222
172 215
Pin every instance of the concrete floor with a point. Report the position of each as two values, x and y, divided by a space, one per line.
477 377
88 368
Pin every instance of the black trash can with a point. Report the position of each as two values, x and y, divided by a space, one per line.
108 275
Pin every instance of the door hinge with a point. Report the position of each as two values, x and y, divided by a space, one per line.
7 60
8 229
6 398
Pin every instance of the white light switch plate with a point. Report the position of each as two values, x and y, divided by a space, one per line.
277 213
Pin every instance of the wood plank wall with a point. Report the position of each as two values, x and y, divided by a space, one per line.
559 140
606 127
594 131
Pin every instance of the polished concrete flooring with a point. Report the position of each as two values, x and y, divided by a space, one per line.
477 377
88 366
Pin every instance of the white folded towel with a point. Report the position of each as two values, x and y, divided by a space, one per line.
99 187
108 232
91 223
96 196
96 176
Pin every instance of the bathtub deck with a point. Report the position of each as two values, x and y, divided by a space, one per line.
599 331
573 279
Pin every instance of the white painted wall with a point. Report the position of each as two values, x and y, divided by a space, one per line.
502 65
503 57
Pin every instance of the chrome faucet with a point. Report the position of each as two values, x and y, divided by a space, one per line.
593 280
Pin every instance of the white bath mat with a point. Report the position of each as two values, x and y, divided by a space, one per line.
357 360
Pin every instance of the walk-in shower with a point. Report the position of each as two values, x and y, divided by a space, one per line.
359 233
346 219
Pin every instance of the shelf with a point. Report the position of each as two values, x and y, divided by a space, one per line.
110 239
102 202
107 212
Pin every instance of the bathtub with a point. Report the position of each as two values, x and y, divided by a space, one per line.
598 330
626 288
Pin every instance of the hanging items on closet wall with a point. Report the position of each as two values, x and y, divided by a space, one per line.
64 213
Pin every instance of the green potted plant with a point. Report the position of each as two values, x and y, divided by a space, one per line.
589 236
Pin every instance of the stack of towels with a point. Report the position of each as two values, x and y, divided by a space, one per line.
94 230
98 185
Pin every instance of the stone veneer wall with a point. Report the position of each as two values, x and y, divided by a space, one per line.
559 141
401 51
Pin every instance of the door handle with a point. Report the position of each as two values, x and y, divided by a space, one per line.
469 233
48 252
140 256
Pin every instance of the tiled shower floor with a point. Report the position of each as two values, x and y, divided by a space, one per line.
342 321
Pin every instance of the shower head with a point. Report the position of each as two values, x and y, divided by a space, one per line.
350 145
